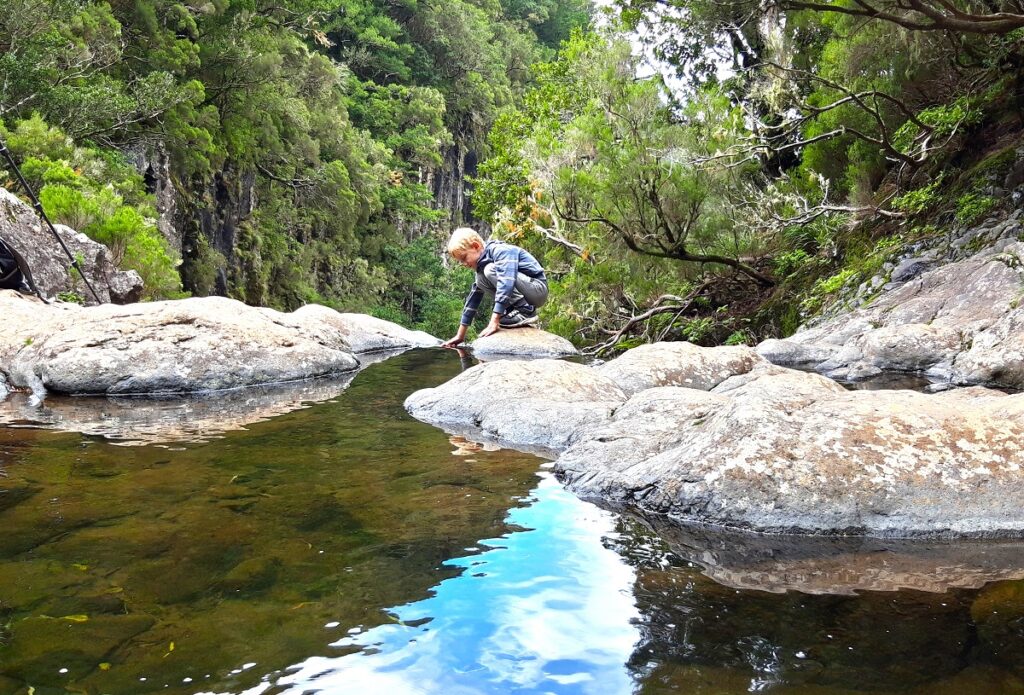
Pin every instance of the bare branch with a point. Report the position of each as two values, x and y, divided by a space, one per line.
657 308
919 15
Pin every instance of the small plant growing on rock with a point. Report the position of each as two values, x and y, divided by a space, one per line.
971 207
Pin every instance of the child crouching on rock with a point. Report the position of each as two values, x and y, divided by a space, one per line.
511 274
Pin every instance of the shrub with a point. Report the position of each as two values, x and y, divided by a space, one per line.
95 192
971 207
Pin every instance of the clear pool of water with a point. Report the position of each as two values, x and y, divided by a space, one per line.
342 547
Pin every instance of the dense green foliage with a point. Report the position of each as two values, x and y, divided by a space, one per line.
95 192
790 150
314 128
794 151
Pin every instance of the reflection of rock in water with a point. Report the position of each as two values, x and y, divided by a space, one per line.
189 418
703 635
838 565
134 421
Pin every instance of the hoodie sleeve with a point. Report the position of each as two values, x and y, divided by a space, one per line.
472 304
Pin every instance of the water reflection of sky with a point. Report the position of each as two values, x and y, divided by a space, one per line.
538 611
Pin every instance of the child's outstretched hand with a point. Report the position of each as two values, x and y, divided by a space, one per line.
459 336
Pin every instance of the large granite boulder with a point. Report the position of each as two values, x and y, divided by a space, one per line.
362 333
536 404
522 342
199 344
678 364
781 451
22 229
183 346
767 449
961 323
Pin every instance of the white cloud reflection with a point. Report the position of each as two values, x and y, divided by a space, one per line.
549 611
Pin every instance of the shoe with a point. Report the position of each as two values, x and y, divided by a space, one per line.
518 316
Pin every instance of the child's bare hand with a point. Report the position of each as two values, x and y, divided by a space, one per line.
452 342
492 326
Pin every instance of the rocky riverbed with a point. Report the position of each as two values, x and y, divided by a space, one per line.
722 436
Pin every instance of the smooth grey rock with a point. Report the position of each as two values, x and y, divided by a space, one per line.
910 347
786 452
995 355
183 346
908 269
198 344
962 318
527 404
678 364
125 288
21 228
523 342
788 353
362 333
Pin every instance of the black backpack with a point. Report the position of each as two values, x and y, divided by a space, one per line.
14 271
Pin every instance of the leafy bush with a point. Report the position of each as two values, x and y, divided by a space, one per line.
97 193
920 199
971 207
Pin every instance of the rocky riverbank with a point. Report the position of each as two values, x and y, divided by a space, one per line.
721 436
958 322
183 346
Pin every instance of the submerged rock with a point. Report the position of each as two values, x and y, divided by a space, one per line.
523 342
182 346
22 229
961 323
531 404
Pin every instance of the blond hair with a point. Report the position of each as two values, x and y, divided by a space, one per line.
463 239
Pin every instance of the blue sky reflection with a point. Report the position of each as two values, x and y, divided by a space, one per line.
548 610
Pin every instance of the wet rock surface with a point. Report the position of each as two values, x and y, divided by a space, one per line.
522 342
837 565
22 229
183 346
960 323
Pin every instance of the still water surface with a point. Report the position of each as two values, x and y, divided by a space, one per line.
346 548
